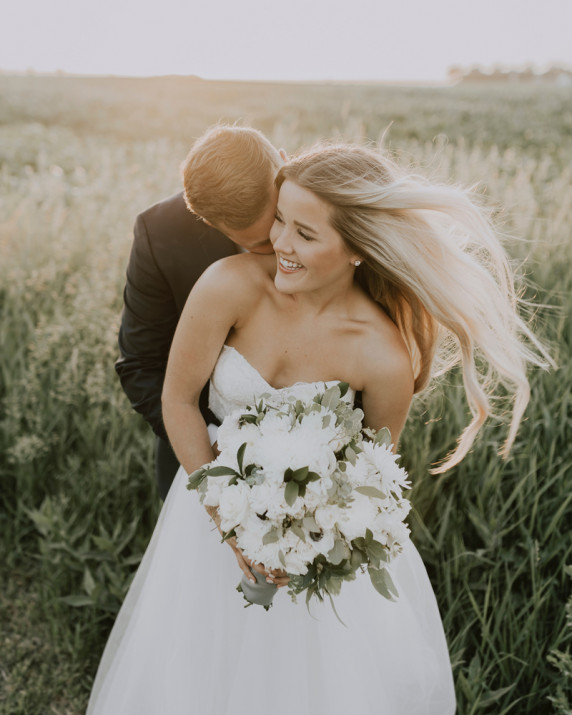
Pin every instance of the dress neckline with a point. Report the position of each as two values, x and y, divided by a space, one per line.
277 389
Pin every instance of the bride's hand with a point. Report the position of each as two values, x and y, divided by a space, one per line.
275 576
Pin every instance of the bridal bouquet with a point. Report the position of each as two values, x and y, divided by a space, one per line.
305 488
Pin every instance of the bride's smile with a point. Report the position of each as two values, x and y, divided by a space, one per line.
288 266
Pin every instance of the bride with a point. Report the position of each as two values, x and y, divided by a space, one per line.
375 275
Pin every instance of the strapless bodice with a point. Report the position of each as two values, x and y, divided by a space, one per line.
235 383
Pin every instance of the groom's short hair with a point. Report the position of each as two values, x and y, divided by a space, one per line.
229 176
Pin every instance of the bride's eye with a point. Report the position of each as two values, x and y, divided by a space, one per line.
305 235
278 218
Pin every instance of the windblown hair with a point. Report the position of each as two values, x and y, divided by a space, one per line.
228 176
432 260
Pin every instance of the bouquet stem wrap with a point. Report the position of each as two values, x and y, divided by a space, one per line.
260 593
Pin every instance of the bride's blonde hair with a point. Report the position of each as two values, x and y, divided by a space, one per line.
432 260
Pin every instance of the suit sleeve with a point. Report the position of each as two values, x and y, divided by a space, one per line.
148 324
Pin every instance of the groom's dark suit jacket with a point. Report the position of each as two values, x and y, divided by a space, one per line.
171 249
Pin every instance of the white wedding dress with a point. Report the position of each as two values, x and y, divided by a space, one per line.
183 643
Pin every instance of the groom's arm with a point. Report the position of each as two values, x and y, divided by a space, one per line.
148 324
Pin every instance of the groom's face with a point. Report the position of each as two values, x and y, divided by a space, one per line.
256 237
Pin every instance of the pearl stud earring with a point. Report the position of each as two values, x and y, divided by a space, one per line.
357 263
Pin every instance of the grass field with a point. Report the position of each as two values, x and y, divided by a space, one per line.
79 159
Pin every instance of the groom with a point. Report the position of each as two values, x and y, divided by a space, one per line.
228 205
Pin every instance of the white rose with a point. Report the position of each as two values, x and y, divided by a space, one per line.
327 516
213 491
234 505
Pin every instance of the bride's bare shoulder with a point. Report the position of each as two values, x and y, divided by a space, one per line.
242 277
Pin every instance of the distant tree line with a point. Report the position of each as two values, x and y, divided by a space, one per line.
557 75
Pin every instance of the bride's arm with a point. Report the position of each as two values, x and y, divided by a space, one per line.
212 309
221 297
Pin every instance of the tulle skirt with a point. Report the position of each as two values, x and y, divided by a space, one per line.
184 643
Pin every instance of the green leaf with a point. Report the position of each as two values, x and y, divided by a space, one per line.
383 437
270 537
338 552
313 477
228 535
288 475
310 523
377 552
251 419
371 492
351 456
368 536
88 582
299 532
291 492
383 583
331 398
326 419
300 474
221 472
196 477
240 455
344 387
77 601
356 558
282 558
342 466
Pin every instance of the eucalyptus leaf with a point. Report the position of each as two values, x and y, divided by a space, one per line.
196 477
350 455
371 492
282 558
240 455
383 583
383 437
270 537
344 387
221 471
310 523
300 474
331 398
291 492
299 532
338 552
356 558
228 535
377 551
247 419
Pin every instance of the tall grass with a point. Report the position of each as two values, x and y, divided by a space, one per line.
79 160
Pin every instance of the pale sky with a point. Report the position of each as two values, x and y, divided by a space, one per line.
291 39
